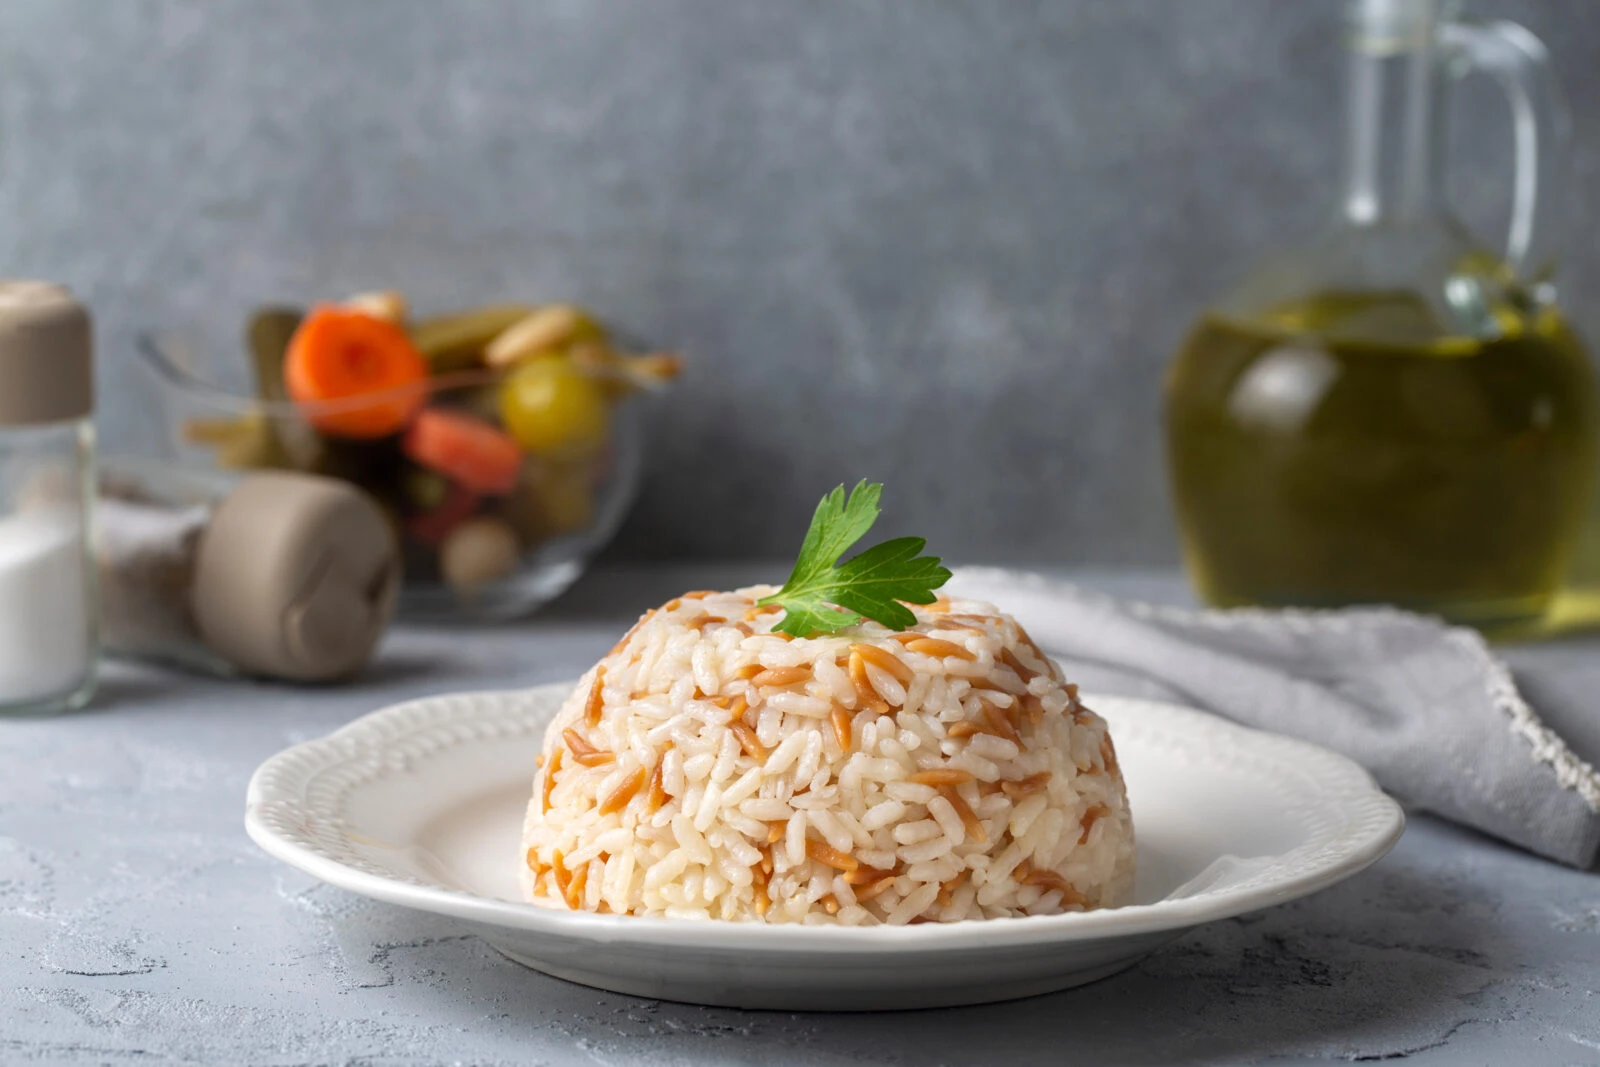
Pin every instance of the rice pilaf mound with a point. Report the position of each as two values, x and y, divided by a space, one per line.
709 768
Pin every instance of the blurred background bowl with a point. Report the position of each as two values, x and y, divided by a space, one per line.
524 547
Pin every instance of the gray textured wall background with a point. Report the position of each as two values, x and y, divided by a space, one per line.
949 245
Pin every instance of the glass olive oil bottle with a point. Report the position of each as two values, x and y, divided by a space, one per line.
1392 414
1316 465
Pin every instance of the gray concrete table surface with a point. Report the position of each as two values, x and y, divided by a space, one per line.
138 924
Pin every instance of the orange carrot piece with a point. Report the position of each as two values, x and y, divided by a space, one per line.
338 356
467 450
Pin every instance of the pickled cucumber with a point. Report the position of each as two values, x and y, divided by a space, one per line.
290 442
268 333
246 442
456 341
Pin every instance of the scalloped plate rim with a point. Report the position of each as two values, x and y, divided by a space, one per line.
363 737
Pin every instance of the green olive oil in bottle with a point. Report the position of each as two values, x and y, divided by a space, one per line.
1393 414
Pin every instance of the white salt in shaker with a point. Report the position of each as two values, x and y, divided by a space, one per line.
47 596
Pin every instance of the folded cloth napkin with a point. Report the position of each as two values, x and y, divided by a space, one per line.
1425 707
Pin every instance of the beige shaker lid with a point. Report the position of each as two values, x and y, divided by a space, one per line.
46 355
296 577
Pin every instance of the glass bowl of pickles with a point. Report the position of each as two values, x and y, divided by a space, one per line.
504 441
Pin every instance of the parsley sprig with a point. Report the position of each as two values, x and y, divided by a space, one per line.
823 596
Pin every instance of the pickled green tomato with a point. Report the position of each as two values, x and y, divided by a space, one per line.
552 408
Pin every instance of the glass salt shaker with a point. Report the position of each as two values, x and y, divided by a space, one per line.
48 626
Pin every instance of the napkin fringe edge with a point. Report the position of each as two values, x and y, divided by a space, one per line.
1572 772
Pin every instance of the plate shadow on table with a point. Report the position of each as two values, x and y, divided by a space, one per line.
1386 963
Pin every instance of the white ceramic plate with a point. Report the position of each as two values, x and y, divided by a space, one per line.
421 804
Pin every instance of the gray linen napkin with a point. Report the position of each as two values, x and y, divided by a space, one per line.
1425 707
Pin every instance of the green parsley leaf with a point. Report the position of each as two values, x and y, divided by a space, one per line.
822 596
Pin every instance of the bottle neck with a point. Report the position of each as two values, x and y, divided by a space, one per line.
1391 135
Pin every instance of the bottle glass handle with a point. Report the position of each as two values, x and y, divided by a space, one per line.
1541 129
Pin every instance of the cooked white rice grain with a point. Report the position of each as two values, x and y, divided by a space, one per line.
708 767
